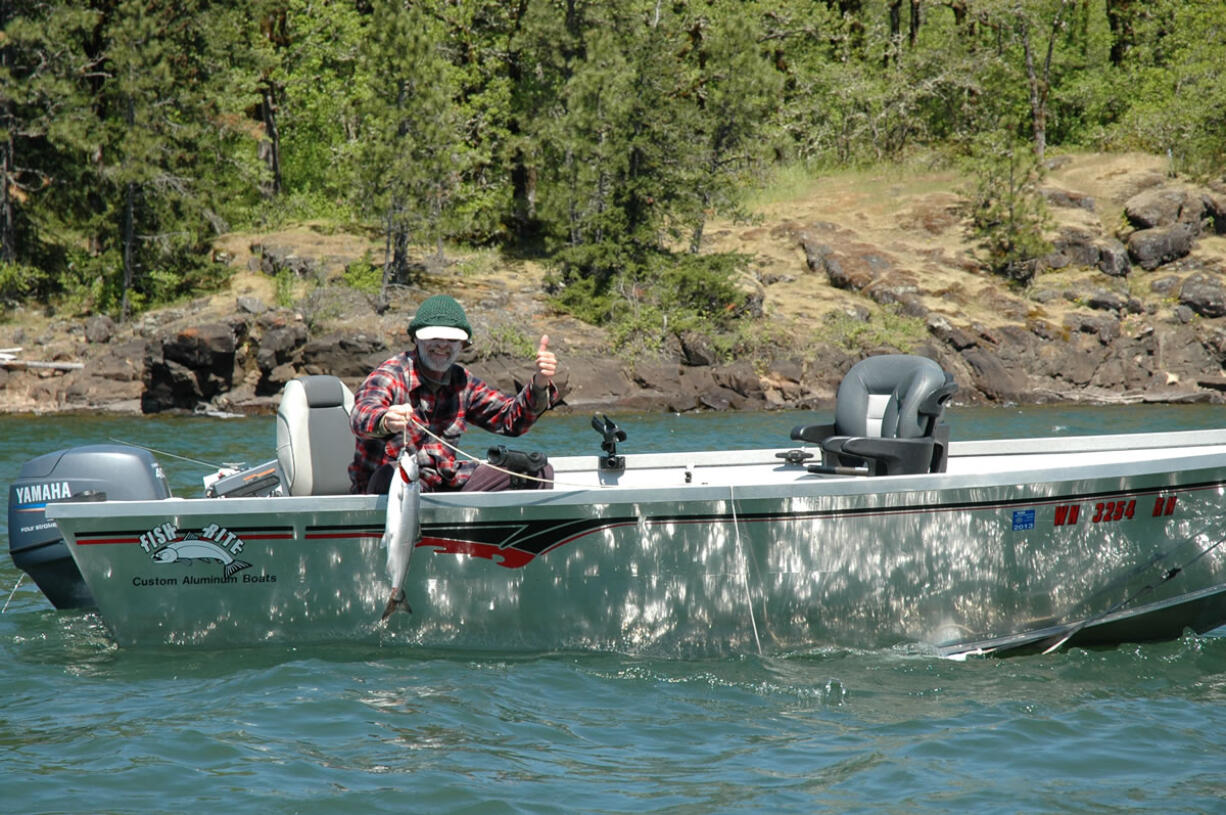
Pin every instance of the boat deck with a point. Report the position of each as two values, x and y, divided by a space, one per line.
1045 456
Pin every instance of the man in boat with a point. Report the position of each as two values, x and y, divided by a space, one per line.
427 398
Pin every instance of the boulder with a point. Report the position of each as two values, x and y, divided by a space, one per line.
275 259
1204 294
1150 248
1105 300
740 378
99 329
170 385
279 345
993 379
696 349
1215 211
1105 327
1113 258
343 354
1075 247
1165 206
1067 198
187 368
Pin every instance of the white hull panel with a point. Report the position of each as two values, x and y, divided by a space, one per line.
714 551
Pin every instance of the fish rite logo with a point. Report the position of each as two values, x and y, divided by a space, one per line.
215 543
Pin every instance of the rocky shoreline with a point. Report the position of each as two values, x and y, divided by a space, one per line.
1134 313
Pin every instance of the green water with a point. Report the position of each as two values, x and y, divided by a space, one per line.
88 728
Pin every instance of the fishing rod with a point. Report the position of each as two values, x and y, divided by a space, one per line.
201 462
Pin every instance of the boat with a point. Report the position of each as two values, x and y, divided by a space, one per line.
873 530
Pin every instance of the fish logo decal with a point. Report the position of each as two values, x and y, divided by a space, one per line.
191 547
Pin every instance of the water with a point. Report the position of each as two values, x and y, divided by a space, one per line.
86 727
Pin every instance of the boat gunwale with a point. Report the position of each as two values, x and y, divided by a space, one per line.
801 484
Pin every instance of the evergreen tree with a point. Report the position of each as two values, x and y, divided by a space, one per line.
617 146
45 130
734 96
1006 208
316 86
410 156
172 109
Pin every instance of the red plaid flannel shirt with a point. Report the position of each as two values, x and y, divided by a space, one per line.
447 412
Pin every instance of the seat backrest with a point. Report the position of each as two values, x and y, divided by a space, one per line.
314 441
893 396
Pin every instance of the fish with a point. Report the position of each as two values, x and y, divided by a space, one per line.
402 528
190 549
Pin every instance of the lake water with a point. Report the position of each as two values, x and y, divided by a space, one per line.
86 727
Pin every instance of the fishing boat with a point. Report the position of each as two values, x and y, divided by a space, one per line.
873 530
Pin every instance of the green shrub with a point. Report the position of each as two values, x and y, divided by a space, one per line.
643 302
887 328
363 276
18 281
1005 207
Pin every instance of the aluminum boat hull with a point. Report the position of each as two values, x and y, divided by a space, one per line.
1017 544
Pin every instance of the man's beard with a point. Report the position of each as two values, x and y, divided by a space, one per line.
428 362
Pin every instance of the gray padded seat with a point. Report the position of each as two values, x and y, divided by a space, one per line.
887 418
314 441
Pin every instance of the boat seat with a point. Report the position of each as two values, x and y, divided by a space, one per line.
314 441
887 419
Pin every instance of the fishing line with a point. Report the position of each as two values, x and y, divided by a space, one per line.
164 453
1169 574
511 473
736 529
20 577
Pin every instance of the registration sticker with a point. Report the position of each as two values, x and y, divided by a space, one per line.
1023 519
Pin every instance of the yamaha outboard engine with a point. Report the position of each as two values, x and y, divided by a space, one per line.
96 472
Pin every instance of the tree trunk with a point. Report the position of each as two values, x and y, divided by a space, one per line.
270 146
400 254
129 237
8 230
961 12
895 39
1040 79
1121 19
129 226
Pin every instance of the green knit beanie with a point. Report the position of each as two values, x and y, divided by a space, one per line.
443 312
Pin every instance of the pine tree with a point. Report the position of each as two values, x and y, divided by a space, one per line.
410 156
735 97
178 77
317 86
45 127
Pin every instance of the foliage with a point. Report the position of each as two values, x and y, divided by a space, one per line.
410 158
364 276
506 338
665 295
1177 86
284 281
1005 207
18 281
888 328
601 135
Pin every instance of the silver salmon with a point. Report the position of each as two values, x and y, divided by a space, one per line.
402 528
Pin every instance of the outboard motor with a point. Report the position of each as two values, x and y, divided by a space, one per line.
97 472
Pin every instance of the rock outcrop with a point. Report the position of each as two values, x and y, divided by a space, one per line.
1142 318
